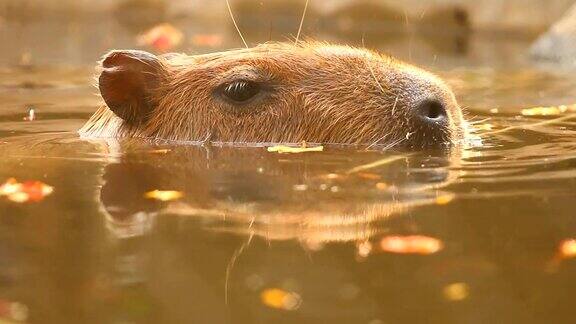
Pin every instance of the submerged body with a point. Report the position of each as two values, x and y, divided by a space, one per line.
275 93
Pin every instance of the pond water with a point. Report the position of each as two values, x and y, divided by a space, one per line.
480 233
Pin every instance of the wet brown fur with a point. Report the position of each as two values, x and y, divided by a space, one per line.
319 93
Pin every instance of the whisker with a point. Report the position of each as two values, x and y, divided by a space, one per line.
235 24
376 141
374 76
474 122
393 144
301 22
394 106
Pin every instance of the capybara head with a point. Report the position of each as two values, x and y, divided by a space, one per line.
275 93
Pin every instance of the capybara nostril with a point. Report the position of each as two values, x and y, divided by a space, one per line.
432 111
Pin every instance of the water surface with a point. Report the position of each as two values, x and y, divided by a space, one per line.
260 237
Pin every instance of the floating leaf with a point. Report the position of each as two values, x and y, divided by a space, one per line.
444 199
368 175
31 115
164 195
161 37
36 190
11 186
333 176
364 249
280 299
456 291
300 187
567 248
548 111
32 191
381 186
12 311
159 151
411 244
290 149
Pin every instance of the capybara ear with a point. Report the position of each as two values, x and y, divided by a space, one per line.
127 83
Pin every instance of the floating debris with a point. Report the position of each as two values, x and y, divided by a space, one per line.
280 299
291 149
28 191
567 248
164 195
411 244
456 291
548 111
163 37
31 114
444 199
369 175
381 186
333 176
363 249
300 187
12 311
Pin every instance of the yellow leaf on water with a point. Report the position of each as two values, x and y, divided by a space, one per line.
568 248
368 175
548 111
381 186
19 197
364 248
290 149
280 299
160 151
28 191
456 291
164 195
444 199
300 187
411 244
11 186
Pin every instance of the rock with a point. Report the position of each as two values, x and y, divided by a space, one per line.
559 43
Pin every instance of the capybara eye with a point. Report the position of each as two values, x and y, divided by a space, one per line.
241 91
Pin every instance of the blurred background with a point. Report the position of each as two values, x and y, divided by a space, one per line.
430 32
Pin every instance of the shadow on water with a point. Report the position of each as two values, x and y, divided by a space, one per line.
473 234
